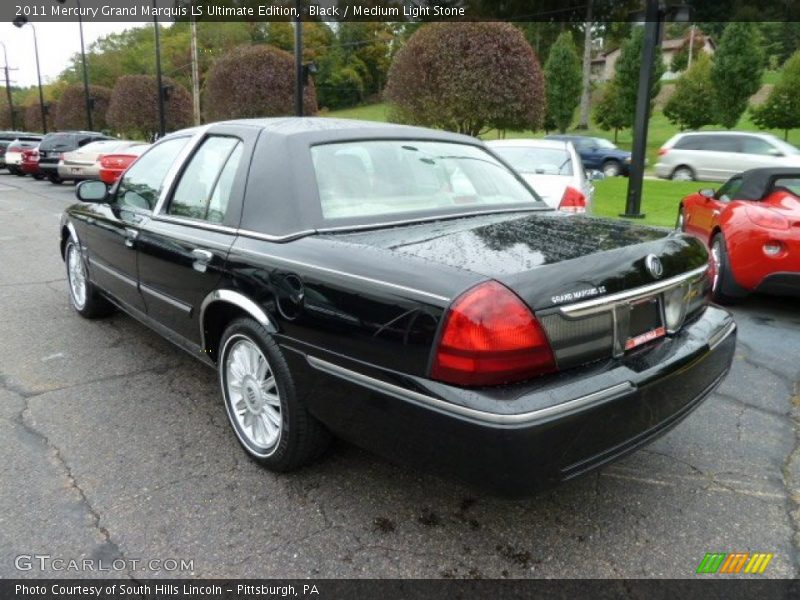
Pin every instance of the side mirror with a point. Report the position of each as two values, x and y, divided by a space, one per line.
92 191
708 193
595 175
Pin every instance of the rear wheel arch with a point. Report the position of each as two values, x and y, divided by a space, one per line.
219 309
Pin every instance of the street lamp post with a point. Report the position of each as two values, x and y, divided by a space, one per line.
85 71
21 21
162 123
8 89
298 61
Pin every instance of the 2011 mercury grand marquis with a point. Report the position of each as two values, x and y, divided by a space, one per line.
404 289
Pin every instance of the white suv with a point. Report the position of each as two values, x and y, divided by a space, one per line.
718 155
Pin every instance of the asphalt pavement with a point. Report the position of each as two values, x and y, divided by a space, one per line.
114 445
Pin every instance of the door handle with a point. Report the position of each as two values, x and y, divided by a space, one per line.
201 255
130 237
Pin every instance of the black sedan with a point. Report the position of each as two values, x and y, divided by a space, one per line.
404 289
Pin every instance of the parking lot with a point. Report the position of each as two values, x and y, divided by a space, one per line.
114 444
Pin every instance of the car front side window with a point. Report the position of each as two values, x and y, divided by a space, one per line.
141 185
204 188
728 191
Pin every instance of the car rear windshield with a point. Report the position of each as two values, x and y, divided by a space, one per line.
393 177
537 161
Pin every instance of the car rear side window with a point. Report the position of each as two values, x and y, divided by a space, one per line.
204 188
692 142
792 184
141 185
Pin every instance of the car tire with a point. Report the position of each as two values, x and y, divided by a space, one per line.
19 173
612 168
38 177
83 296
55 179
266 412
722 280
682 173
12 169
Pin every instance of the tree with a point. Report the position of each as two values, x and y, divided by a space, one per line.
133 109
467 77
608 113
736 73
254 81
32 117
626 78
72 107
782 107
691 106
563 78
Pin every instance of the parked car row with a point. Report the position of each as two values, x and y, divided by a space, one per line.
67 155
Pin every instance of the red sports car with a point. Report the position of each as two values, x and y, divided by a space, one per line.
752 226
114 165
30 163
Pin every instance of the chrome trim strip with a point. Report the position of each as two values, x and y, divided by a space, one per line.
580 309
431 218
112 272
237 299
380 282
276 238
182 306
721 335
527 418
195 223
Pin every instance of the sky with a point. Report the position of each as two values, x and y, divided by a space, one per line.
57 43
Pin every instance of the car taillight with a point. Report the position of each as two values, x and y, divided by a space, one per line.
662 151
764 217
490 337
572 201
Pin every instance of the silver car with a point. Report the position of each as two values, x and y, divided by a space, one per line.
552 168
84 163
718 155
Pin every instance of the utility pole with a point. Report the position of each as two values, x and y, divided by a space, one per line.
691 47
8 89
652 26
195 74
298 61
162 122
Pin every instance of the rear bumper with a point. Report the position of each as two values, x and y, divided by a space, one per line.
780 284
521 438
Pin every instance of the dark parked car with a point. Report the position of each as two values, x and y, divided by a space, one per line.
404 289
599 154
54 145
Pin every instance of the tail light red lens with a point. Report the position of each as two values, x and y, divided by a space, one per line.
662 151
572 201
489 338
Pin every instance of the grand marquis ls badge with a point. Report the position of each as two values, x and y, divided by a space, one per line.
654 266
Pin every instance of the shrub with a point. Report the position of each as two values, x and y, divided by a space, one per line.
782 107
467 77
564 76
691 106
254 81
72 107
133 109
736 74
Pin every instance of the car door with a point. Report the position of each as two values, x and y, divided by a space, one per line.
183 248
111 229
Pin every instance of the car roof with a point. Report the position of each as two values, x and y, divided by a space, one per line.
711 132
530 143
756 183
327 128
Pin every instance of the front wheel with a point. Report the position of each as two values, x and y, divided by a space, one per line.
721 277
267 414
55 179
84 297
612 168
682 174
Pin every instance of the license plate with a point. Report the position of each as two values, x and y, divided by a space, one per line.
76 170
646 323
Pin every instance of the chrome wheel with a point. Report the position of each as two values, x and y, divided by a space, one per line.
77 277
254 402
682 174
716 263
